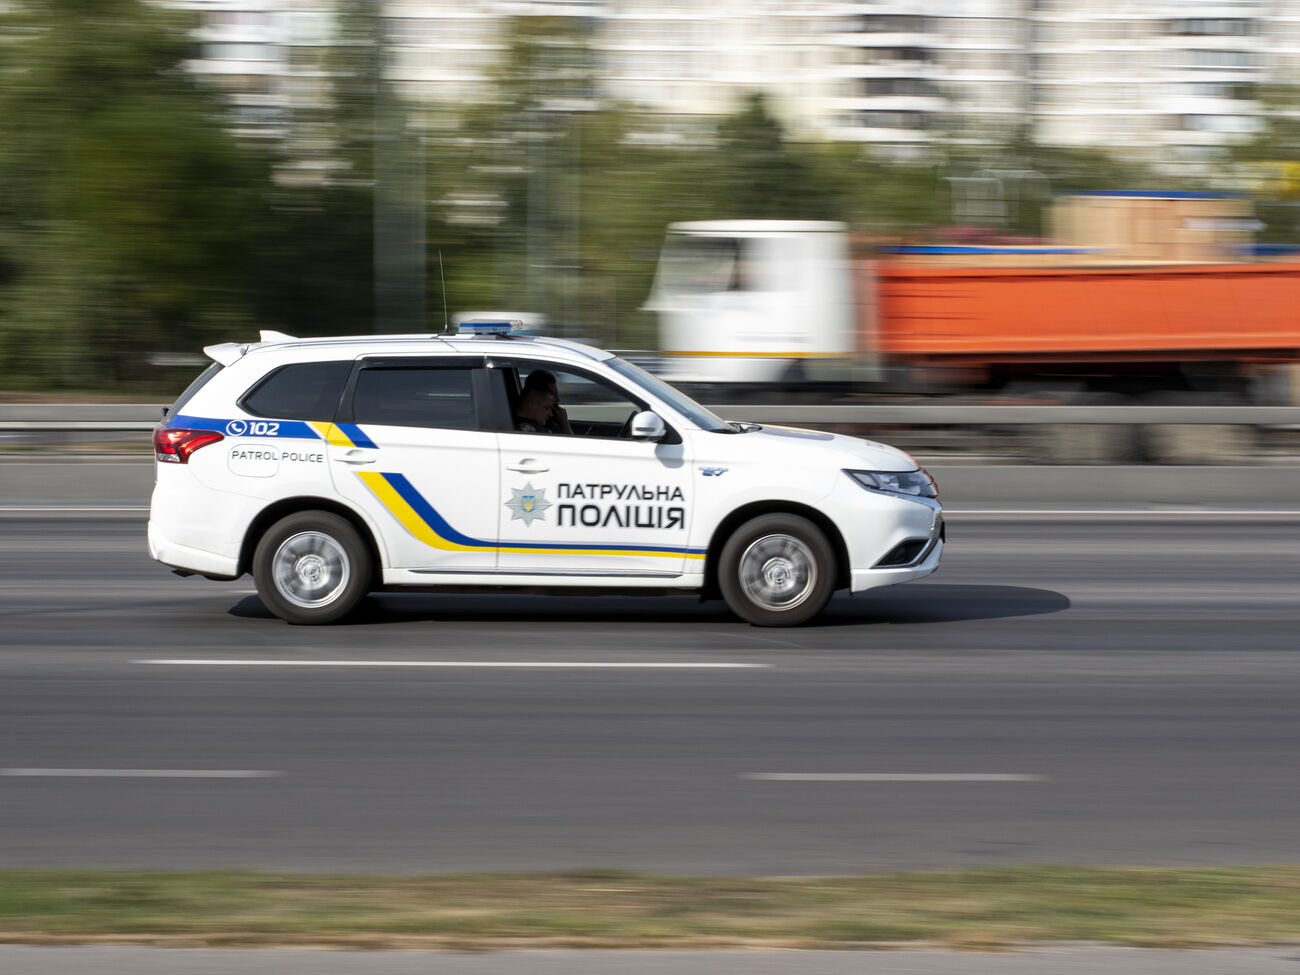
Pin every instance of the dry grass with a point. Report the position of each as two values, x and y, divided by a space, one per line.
984 909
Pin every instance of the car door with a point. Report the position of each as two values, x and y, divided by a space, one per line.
408 449
593 503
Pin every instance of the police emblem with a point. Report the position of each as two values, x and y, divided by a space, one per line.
527 504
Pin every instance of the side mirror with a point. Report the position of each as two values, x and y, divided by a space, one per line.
648 426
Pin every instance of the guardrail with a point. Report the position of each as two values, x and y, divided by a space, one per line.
977 415
977 463
128 417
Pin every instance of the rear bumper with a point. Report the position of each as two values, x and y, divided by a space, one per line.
177 556
195 528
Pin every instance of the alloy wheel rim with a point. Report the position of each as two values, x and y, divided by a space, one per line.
778 571
310 569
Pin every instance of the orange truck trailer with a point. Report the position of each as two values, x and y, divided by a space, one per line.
1153 293
1127 321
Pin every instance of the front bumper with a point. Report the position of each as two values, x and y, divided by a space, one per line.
890 538
861 579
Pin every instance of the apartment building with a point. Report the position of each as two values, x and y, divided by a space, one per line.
1175 82
1172 81
262 54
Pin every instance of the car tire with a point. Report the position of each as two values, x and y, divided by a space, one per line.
312 567
777 570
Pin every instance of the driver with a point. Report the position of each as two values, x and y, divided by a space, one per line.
539 409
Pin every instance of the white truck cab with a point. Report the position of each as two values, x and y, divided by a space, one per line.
754 302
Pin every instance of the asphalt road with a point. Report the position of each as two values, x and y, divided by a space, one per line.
1086 690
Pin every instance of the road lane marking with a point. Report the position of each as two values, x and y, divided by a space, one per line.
892 777
138 773
523 664
21 509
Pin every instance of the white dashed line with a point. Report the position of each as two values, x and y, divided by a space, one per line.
137 773
499 664
892 777
31 509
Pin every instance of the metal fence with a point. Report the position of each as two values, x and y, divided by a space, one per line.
984 456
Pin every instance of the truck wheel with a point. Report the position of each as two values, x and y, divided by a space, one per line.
312 567
777 570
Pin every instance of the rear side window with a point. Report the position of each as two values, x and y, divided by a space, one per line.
199 382
301 391
421 396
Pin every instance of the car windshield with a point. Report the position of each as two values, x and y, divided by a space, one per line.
678 400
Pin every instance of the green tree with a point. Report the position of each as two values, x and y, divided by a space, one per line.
1271 162
316 259
762 176
510 182
125 206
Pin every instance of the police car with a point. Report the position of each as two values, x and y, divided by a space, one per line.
333 467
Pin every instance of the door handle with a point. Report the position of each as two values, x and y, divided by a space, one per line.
528 466
357 457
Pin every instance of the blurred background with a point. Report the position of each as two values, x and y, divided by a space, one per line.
969 228
1103 197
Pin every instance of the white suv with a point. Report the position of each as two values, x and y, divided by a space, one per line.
332 467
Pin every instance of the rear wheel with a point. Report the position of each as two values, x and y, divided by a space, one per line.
312 567
777 570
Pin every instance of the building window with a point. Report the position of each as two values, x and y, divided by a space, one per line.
893 24
1223 60
892 120
898 86
1214 27
242 52
1218 123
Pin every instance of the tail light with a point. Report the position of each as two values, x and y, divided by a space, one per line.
173 445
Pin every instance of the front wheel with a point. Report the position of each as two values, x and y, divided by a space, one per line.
312 567
777 570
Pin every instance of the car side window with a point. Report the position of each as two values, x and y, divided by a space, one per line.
299 391
593 407
416 396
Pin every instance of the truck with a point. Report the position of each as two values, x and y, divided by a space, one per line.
1136 297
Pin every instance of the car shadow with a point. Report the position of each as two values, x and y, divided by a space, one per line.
920 603
941 603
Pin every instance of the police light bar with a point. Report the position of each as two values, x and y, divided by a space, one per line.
486 326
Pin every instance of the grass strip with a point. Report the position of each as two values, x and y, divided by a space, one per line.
972 909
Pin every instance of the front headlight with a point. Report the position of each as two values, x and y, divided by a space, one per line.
916 484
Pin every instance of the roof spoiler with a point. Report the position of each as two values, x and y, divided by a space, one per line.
225 352
228 352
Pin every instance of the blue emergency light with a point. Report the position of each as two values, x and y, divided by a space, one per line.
485 326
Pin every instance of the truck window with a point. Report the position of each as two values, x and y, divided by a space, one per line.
700 265
713 265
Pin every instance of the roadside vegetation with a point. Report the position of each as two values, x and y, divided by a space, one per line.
992 909
141 217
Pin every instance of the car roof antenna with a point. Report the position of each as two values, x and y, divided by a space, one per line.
446 327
